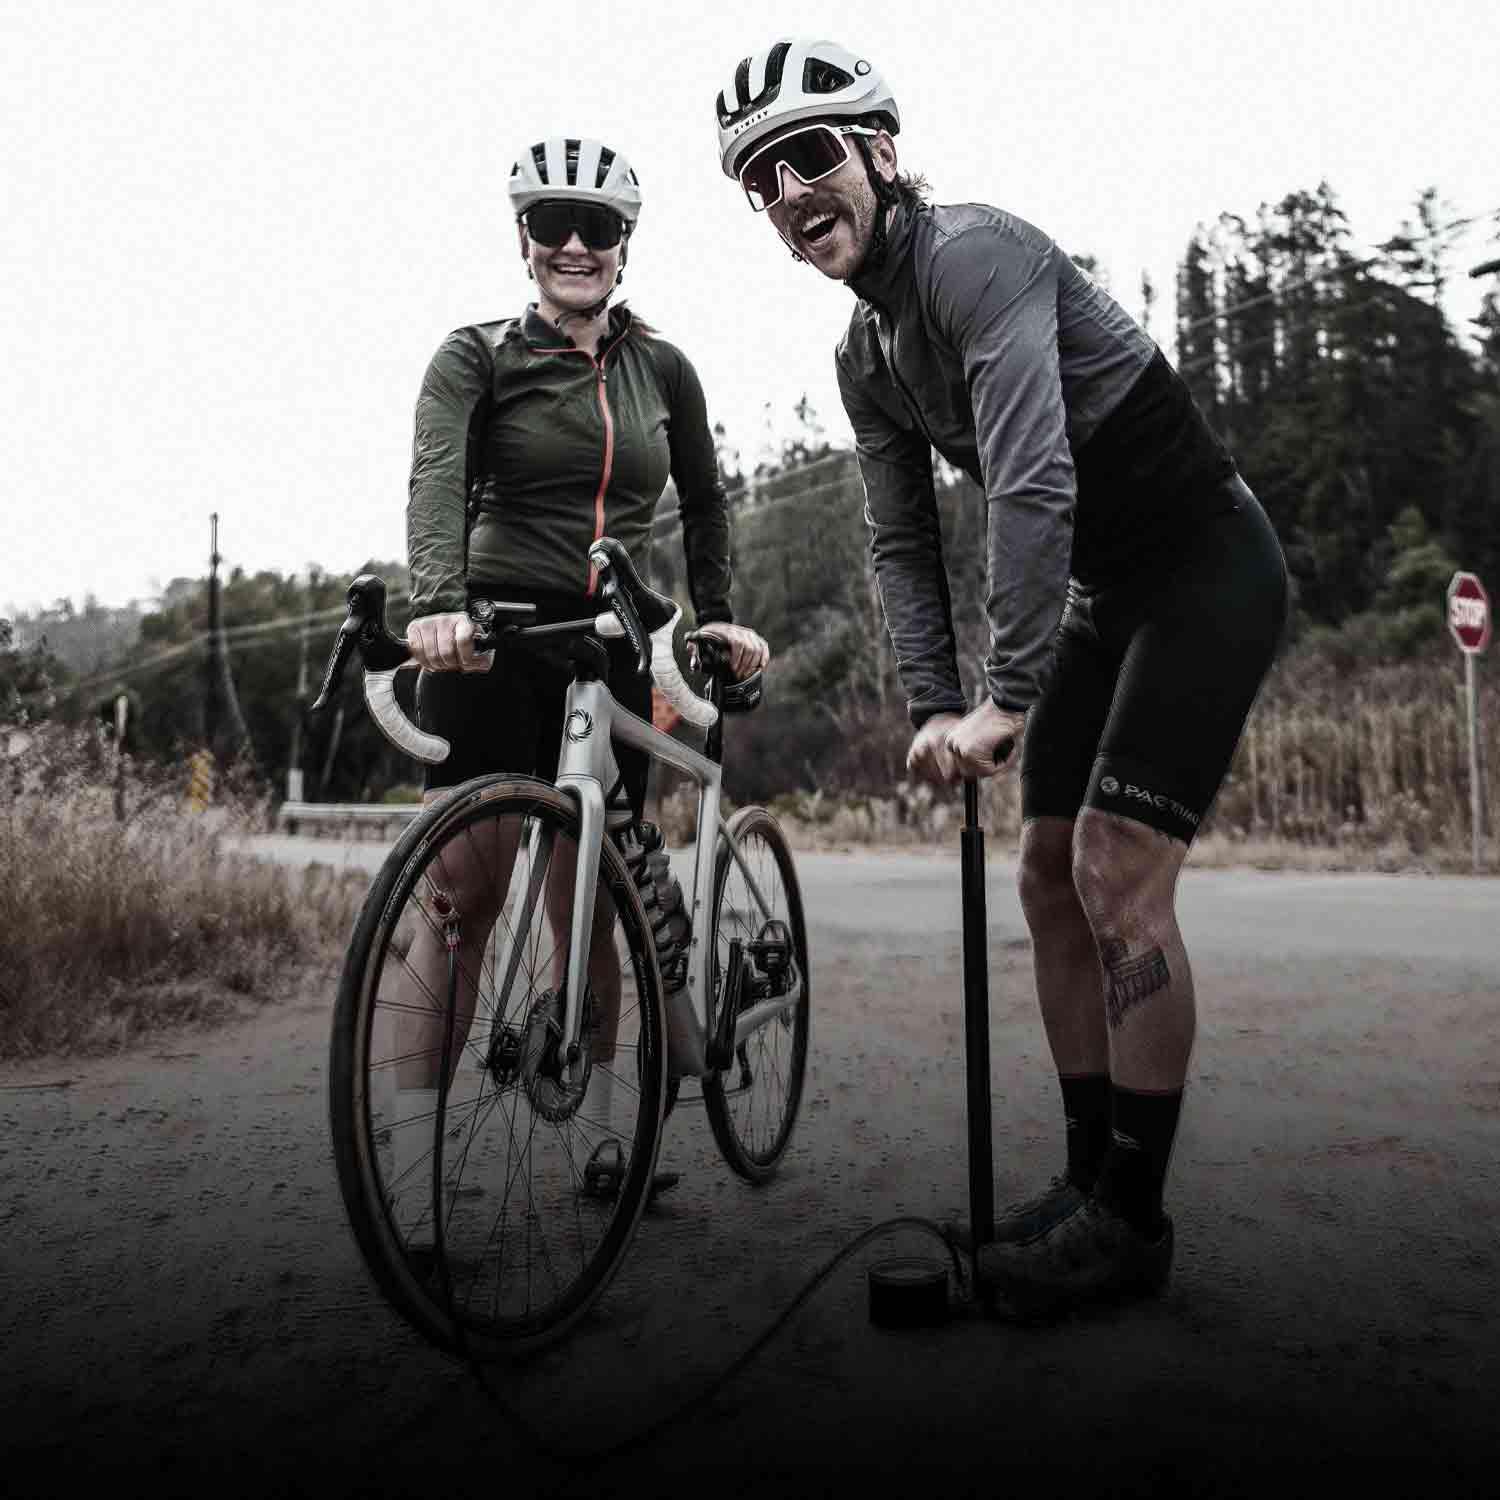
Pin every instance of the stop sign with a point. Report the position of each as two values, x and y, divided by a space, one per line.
1468 613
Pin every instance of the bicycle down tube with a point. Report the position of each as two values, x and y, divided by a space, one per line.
593 718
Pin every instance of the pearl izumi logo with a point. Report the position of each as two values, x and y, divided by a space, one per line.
1112 788
580 726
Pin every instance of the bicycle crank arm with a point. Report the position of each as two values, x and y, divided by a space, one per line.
748 1022
721 1047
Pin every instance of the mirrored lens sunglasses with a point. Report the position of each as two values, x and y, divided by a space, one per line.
552 224
813 153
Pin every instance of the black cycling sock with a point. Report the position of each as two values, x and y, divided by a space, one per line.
1142 1131
1086 1111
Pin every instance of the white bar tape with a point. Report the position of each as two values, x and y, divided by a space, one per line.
665 672
380 695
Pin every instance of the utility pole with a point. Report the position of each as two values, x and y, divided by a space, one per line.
294 763
122 724
211 686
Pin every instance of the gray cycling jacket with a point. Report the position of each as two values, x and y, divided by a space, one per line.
977 336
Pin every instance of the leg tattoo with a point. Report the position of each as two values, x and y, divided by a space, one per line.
1130 980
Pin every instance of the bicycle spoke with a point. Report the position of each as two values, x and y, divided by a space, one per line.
528 1247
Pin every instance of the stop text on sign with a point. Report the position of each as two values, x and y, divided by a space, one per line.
1465 613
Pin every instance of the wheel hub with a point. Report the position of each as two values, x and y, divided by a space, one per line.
552 1095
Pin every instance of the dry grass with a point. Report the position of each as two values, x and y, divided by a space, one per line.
110 931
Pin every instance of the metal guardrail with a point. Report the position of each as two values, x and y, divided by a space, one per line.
346 817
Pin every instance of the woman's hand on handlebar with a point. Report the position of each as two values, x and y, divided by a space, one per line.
445 643
747 651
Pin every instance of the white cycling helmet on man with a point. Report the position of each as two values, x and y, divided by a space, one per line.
796 80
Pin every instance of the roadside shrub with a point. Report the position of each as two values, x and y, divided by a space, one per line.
111 929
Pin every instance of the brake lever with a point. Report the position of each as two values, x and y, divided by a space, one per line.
364 626
624 612
705 654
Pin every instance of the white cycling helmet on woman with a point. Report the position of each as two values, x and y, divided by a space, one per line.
575 170
576 183
792 80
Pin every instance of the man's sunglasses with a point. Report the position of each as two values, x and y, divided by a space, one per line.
552 223
812 152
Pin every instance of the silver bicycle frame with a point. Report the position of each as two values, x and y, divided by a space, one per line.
586 769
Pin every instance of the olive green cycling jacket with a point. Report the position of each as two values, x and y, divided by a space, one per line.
556 447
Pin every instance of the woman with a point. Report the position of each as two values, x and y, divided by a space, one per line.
545 432
559 426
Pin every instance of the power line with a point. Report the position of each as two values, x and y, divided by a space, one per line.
262 633
1344 269
1204 361
668 519
1291 286
668 522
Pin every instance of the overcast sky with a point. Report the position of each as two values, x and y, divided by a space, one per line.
233 235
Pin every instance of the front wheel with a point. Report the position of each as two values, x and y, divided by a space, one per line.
752 1103
540 1173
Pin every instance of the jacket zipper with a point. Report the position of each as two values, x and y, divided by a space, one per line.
889 350
609 460
609 442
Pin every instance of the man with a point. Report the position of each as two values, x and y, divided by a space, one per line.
1136 595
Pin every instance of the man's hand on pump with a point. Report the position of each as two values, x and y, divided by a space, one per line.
747 651
950 748
985 741
445 643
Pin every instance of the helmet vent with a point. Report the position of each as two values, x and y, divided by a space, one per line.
819 77
774 64
539 156
606 161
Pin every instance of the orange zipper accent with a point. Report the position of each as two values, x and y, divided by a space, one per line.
609 460
609 442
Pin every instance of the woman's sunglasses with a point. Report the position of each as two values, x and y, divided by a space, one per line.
552 223
812 152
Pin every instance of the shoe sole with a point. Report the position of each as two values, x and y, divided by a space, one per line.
1030 1302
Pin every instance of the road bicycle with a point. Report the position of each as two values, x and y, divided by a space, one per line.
518 1000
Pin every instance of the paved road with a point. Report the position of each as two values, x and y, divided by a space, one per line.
184 1312
1405 917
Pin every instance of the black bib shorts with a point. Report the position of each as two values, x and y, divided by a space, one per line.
511 717
1154 677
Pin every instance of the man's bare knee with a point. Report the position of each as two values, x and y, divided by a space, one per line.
1125 873
1046 871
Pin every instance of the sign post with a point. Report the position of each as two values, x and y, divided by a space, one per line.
122 720
1469 625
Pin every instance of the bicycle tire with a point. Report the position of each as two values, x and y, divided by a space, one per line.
597 1233
752 1137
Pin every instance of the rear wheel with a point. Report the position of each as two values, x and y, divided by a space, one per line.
541 1171
752 1103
